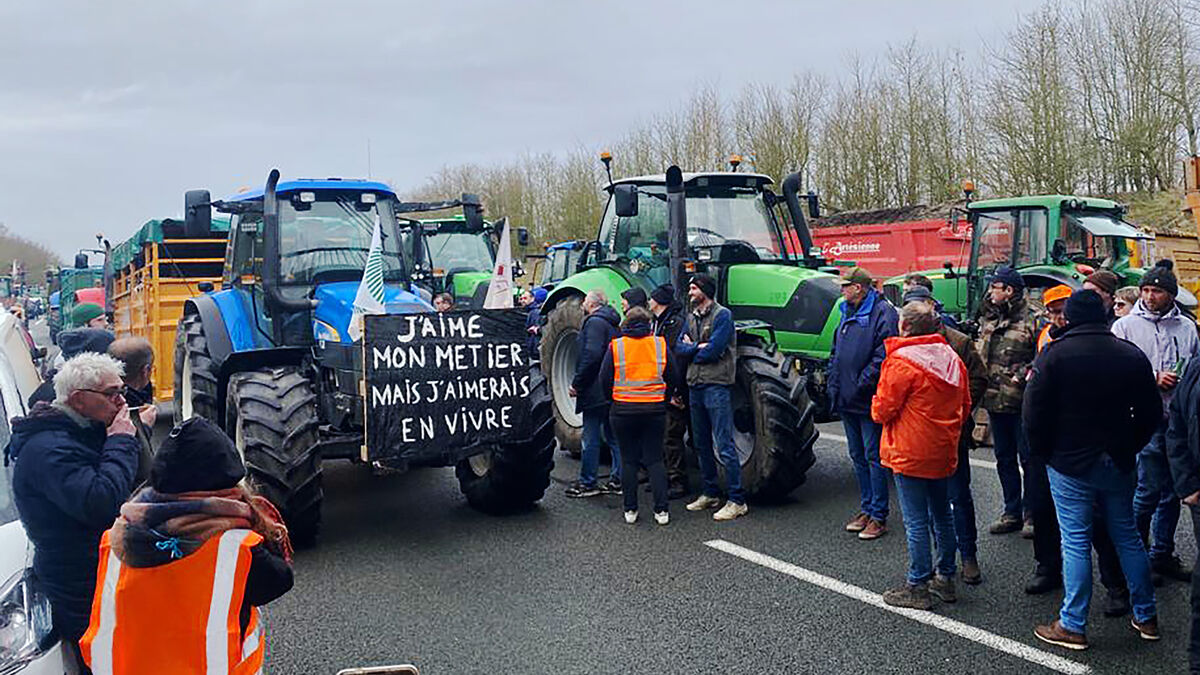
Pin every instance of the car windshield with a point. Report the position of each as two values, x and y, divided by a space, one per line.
333 235
716 215
453 251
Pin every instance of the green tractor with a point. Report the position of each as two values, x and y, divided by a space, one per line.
1050 239
660 228
455 256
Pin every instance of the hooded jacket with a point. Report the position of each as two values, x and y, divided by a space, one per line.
1008 343
670 376
858 352
598 330
1169 341
69 482
922 402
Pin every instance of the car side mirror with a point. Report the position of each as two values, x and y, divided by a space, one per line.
627 201
522 236
197 214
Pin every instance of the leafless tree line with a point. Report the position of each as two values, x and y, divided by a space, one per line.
1099 97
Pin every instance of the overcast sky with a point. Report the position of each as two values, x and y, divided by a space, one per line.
109 111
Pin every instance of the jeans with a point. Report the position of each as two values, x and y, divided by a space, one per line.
712 422
1194 642
1012 455
1106 488
962 504
862 439
1155 506
597 431
673 445
923 500
641 437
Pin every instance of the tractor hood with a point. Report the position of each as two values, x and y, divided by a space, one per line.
335 306
798 302
465 283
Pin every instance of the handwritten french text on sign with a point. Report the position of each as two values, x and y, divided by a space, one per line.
439 383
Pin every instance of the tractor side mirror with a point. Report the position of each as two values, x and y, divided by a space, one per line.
627 201
472 211
197 214
522 236
81 261
814 205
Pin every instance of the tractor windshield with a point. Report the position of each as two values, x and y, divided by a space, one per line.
716 215
1094 237
333 235
459 251
1015 237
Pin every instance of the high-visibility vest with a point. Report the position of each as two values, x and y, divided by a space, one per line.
1044 337
638 365
181 617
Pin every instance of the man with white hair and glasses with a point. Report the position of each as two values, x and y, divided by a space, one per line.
75 463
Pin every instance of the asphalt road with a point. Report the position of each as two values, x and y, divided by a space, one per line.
406 572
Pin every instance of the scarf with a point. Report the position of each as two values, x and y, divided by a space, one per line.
155 528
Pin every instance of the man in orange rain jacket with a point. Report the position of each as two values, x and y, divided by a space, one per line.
922 401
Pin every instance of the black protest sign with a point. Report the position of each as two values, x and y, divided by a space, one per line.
438 384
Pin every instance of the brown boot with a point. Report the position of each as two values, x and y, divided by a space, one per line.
1055 634
971 574
1147 629
912 597
858 523
874 530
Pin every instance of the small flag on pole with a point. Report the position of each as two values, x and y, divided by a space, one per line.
369 299
499 295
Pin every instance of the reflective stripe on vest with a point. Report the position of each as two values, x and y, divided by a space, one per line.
184 616
638 365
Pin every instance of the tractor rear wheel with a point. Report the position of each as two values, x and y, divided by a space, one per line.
195 373
773 423
511 477
559 353
272 416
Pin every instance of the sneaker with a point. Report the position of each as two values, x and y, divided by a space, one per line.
1042 583
943 589
1055 634
1117 603
912 597
874 530
631 517
1171 567
612 487
662 517
1027 530
971 574
1147 629
578 489
1006 524
704 502
858 523
730 511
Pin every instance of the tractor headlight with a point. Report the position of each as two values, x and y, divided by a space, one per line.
25 623
323 331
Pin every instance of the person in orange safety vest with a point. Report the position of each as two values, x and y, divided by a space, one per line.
638 375
185 566
1054 299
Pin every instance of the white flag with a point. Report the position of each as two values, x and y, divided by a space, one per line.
499 295
369 299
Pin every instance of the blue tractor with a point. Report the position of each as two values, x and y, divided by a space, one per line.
269 357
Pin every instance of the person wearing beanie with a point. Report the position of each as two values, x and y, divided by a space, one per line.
1008 339
710 342
88 315
1087 424
1105 283
1168 339
633 297
867 320
668 324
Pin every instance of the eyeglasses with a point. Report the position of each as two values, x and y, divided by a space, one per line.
110 394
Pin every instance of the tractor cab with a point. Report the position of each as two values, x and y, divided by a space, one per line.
454 255
559 262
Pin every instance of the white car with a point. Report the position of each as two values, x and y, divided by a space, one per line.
27 643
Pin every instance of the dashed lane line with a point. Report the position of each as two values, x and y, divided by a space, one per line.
981 463
958 628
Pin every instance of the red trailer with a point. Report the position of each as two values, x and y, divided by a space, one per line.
891 242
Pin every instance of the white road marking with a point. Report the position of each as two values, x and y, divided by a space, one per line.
981 463
977 635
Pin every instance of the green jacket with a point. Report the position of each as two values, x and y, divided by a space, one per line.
1008 343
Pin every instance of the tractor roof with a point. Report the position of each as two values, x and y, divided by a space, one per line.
709 177
1043 201
316 184
566 245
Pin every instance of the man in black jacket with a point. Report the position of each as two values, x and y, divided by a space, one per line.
1183 453
1088 424
600 325
669 323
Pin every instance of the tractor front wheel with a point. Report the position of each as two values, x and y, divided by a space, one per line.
559 354
195 374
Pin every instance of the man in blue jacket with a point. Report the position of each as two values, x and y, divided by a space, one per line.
75 463
858 352
600 325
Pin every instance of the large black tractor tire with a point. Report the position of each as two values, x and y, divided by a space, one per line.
558 353
195 373
774 423
272 416
512 477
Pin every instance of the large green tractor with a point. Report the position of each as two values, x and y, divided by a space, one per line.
455 256
1050 239
659 228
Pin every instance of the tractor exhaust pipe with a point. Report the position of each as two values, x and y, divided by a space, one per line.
791 196
677 232
270 263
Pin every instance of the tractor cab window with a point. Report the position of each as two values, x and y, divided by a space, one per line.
246 241
993 240
1092 236
460 251
331 237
